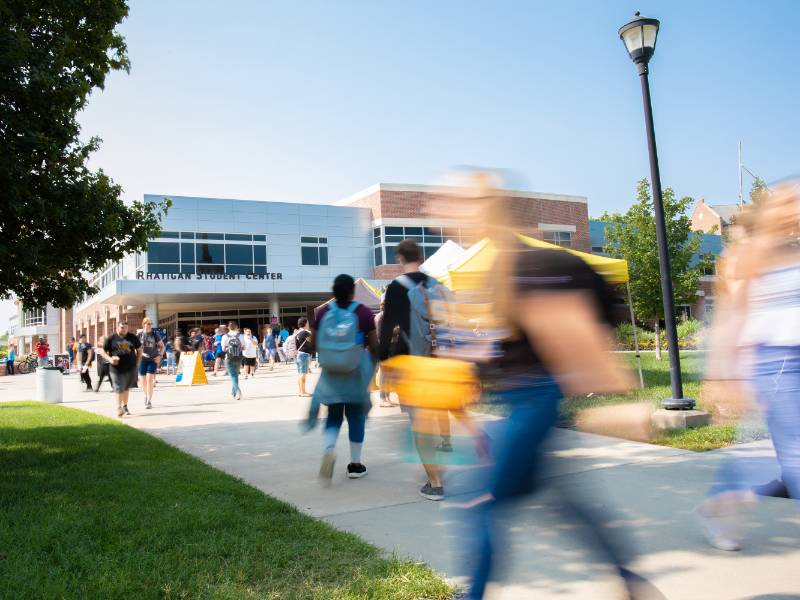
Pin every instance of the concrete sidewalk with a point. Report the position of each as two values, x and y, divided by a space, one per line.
646 491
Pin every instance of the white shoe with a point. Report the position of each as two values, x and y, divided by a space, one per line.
720 518
326 468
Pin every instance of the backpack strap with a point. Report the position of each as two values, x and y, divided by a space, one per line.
353 307
406 282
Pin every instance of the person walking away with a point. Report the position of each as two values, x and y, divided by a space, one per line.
42 351
249 353
103 366
12 356
219 352
169 348
346 343
70 348
270 347
304 345
85 357
122 350
151 353
404 331
232 347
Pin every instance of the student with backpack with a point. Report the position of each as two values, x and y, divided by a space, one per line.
345 340
407 309
270 347
232 348
152 350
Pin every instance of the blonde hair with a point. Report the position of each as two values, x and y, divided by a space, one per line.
147 320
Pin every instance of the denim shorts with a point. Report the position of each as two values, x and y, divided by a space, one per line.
147 367
303 360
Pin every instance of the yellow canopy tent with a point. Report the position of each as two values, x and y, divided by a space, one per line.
470 272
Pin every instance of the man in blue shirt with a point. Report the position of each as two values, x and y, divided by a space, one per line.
219 354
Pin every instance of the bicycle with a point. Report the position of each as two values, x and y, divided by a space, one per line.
27 364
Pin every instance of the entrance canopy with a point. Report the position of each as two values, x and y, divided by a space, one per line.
366 294
477 261
439 262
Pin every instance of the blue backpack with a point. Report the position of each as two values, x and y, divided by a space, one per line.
422 335
340 343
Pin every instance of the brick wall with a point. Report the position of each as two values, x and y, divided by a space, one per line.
705 219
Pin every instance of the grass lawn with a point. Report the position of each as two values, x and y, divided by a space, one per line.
657 387
92 508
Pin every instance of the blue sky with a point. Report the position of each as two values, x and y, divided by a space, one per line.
313 101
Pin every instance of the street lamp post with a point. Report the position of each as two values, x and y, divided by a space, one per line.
639 37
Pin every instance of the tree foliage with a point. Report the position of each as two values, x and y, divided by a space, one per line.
632 236
59 219
759 191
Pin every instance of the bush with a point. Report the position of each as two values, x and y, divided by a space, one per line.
689 328
689 333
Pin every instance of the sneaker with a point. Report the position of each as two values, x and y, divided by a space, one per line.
120 412
445 446
125 408
356 470
432 493
326 468
237 395
148 404
716 531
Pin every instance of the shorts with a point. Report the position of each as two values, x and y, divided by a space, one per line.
123 380
249 362
219 354
147 367
303 359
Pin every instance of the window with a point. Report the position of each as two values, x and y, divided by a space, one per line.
210 254
34 316
378 256
314 250
163 252
169 234
598 250
559 238
711 268
239 254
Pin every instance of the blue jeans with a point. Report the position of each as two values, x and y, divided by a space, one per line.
170 361
356 420
232 366
777 383
41 361
519 462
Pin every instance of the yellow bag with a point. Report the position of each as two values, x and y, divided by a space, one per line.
430 382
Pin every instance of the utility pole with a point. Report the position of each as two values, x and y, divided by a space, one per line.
741 197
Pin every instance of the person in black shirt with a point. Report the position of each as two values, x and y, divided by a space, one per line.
305 347
123 351
103 366
85 358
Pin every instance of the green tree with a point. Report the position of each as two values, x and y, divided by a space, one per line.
632 236
759 191
59 219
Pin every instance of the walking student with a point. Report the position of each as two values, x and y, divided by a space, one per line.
152 351
396 337
304 346
42 351
249 353
12 356
103 366
71 352
219 351
123 351
85 357
346 344
169 348
270 347
232 347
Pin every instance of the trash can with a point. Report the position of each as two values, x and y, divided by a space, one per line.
49 385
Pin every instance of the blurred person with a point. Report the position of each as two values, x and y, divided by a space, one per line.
270 345
385 396
84 358
555 310
12 356
152 349
304 345
232 347
122 350
406 329
103 366
345 340
70 348
219 352
169 349
249 353
42 351
762 318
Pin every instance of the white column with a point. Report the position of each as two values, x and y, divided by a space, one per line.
151 310
274 308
